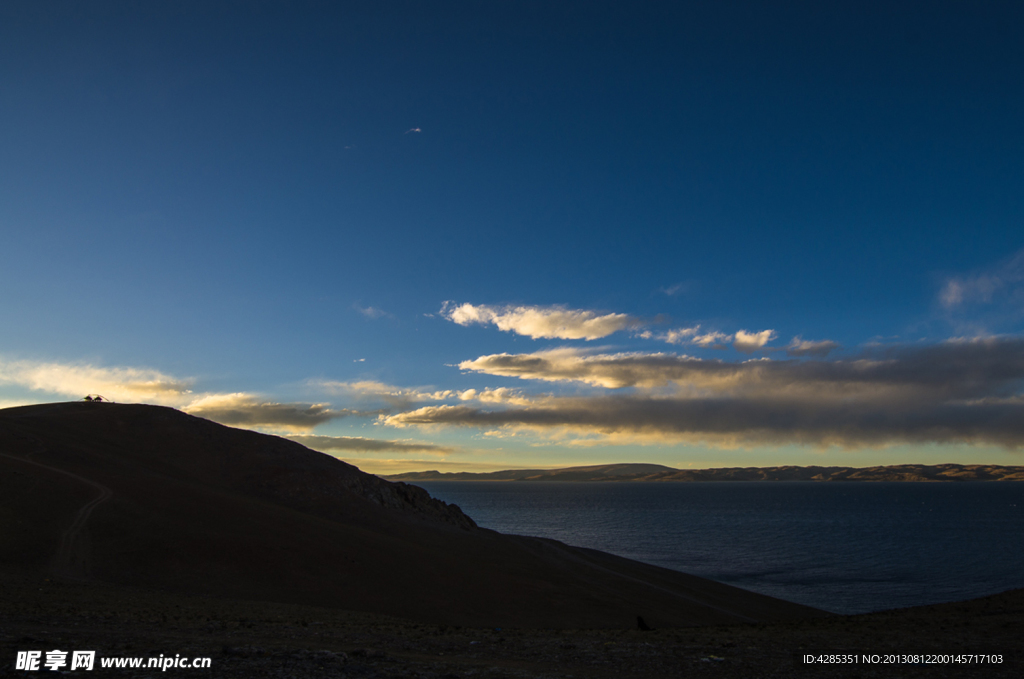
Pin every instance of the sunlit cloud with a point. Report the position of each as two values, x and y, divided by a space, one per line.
403 398
367 445
76 380
553 322
249 410
749 342
612 371
959 391
500 395
743 341
144 385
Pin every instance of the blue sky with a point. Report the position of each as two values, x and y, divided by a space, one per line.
276 214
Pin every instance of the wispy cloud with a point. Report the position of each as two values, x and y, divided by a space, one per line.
413 129
1004 281
366 445
372 312
819 349
963 391
377 392
677 289
539 322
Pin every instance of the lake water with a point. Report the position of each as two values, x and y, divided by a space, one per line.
843 547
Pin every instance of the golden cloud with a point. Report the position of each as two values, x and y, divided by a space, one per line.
78 379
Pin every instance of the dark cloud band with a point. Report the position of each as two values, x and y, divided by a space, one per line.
955 369
750 421
289 415
953 392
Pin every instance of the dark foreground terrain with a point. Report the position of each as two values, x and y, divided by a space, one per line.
250 639
138 532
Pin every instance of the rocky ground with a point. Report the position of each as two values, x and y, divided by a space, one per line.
251 639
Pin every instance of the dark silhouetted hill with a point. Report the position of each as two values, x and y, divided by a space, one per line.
145 496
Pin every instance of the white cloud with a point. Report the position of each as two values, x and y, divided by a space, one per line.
500 395
681 335
749 342
742 340
554 322
405 397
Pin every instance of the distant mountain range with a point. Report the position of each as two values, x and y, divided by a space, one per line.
657 472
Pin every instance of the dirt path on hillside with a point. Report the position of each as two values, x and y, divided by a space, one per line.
70 560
